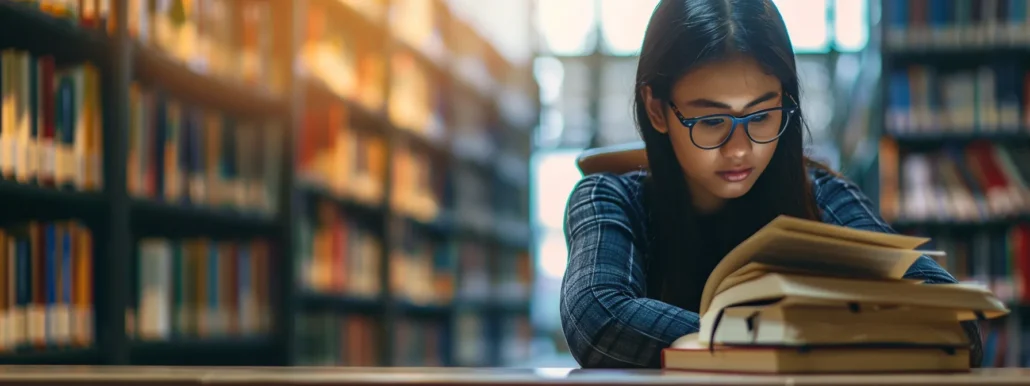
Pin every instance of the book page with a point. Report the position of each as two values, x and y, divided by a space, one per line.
819 254
844 233
689 341
755 270
856 253
800 290
838 324
792 291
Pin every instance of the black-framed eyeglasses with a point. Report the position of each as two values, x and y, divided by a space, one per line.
712 131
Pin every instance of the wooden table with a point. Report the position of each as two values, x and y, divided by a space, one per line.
271 376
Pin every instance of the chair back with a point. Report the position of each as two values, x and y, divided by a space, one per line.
615 159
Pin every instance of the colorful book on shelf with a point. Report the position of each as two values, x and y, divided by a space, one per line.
421 269
989 99
418 343
972 183
336 157
201 288
329 339
414 194
336 254
47 299
51 123
956 24
185 154
92 14
765 306
998 257
222 38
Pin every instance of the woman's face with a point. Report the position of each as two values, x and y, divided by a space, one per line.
737 87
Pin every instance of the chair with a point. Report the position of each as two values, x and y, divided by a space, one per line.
616 159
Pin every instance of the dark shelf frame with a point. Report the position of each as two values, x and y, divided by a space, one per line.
63 356
958 226
937 140
120 220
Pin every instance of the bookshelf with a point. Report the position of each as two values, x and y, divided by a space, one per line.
951 132
256 182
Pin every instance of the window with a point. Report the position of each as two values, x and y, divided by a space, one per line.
623 23
565 90
851 23
807 24
616 124
571 27
554 176
567 26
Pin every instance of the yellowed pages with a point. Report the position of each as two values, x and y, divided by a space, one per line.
811 252
797 289
841 313
689 341
790 324
756 270
860 236
794 361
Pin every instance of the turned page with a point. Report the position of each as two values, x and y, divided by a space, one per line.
816 248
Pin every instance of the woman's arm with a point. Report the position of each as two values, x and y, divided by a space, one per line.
606 318
843 203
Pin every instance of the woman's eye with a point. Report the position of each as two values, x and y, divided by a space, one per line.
713 121
759 117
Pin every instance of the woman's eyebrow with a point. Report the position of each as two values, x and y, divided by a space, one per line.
701 102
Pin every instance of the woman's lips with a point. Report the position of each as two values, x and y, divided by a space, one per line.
735 175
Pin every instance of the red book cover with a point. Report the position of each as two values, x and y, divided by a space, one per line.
46 140
1022 264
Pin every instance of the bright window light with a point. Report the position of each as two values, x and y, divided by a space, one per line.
552 254
554 174
807 24
623 23
851 25
567 26
550 75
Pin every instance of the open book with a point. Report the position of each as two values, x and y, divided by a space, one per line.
800 283
789 245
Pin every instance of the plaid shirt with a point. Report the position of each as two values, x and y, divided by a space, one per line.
606 317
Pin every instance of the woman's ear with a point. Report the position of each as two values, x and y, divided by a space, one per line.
655 110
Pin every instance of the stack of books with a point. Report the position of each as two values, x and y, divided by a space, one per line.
802 296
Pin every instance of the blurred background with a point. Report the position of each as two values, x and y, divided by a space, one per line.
383 182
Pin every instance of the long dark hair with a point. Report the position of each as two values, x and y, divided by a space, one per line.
681 35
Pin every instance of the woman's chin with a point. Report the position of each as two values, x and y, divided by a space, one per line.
733 190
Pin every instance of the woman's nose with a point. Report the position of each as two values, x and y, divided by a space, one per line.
738 145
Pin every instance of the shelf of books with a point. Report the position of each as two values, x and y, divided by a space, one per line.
953 156
314 182
405 145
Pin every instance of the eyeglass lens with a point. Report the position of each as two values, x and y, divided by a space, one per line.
715 129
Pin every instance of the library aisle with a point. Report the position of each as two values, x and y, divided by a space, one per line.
257 182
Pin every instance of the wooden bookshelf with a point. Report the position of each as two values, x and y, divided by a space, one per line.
310 161
951 129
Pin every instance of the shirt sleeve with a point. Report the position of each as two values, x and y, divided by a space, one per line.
843 203
607 320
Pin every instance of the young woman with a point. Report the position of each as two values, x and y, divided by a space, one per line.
717 106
